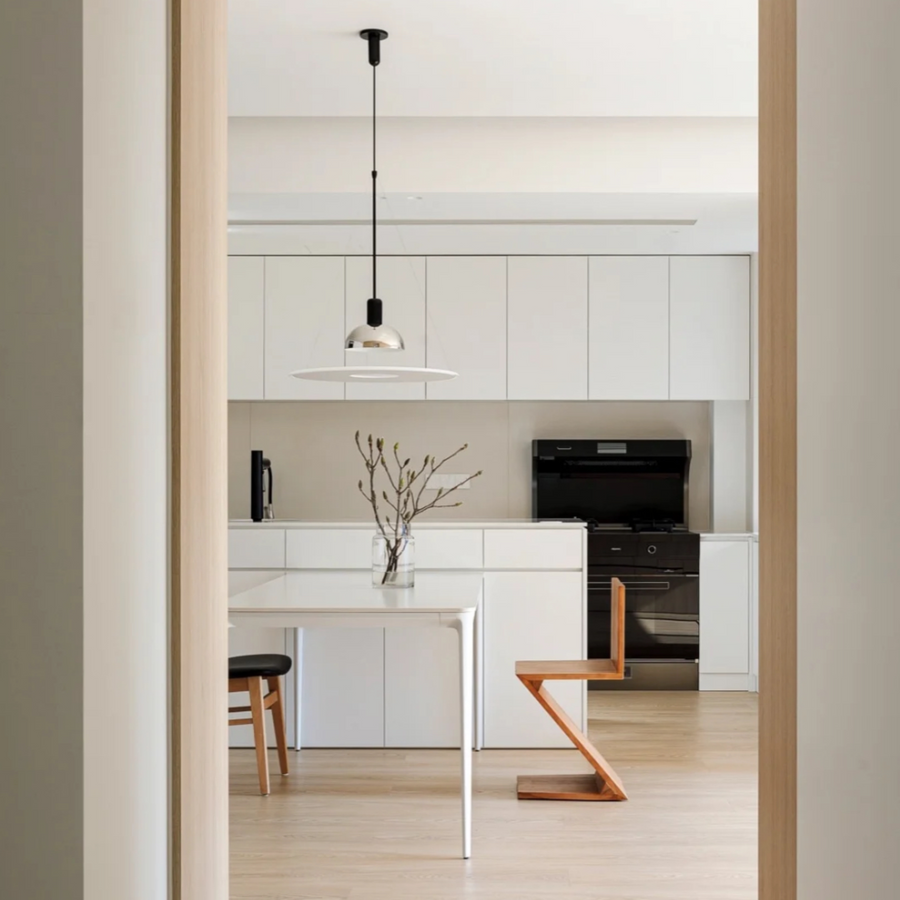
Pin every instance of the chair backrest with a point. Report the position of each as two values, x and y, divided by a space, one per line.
617 626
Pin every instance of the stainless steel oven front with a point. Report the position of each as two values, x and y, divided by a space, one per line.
662 629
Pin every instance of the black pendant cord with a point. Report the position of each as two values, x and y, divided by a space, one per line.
374 37
374 192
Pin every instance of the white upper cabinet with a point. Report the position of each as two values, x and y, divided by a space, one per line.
304 324
401 287
517 328
629 328
547 328
246 347
466 326
709 340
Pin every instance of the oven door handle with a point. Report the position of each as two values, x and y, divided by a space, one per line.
635 585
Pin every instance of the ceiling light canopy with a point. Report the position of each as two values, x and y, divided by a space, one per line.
374 334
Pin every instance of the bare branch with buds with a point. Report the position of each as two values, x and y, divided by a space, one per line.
407 488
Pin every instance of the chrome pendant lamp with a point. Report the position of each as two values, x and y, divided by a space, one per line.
374 335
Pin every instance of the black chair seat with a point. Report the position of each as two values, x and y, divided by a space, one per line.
259 665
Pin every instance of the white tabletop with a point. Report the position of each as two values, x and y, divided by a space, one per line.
349 591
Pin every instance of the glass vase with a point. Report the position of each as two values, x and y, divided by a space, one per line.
393 561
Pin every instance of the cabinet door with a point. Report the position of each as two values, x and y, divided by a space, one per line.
533 615
304 324
343 687
401 284
724 607
709 345
629 328
466 329
547 328
246 315
421 687
754 615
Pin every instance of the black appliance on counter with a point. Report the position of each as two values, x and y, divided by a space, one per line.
634 497
261 487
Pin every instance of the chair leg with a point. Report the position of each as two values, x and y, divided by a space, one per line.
258 714
604 784
276 685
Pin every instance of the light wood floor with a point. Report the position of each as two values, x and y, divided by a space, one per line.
385 824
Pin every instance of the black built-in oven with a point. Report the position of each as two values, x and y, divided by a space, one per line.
633 495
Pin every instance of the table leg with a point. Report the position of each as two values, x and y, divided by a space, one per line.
479 680
465 628
298 683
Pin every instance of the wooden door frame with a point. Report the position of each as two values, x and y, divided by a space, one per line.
778 449
199 452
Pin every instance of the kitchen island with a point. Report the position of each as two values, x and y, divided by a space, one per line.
393 687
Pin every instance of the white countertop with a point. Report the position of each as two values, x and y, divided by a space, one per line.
350 591
734 536
430 524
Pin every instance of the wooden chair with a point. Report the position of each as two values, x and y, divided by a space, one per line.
604 784
246 673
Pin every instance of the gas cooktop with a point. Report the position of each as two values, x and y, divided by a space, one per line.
638 526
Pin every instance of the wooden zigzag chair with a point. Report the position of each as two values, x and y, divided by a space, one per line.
604 784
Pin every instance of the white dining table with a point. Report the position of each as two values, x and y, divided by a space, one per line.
347 598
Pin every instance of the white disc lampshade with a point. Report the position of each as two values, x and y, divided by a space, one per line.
374 374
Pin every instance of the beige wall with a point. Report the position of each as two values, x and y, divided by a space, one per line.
317 466
848 431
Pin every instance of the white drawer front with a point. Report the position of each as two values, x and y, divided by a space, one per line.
329 548
250 548
532 549
450 548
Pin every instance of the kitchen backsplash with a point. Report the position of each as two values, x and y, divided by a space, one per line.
317 466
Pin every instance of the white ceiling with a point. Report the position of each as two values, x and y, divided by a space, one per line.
478 223
495 57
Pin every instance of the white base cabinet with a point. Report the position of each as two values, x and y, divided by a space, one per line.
530 616
399 687
343 687
725 591
421 687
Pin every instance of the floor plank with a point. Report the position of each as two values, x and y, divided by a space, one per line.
385 825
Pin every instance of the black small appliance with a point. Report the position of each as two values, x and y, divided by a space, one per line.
261 487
